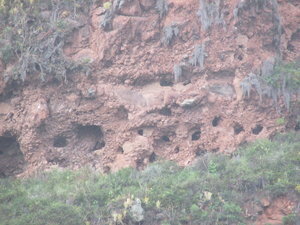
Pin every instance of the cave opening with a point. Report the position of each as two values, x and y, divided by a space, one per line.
196 135
12 160
257 129
165 111
238 128
140 132
152 157
216 121
60 141
166 80
90 138
165 138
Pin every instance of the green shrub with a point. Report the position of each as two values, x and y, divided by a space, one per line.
280 121
276 80
210 192
290 219
36 42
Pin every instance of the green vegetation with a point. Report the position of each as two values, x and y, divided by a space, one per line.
284 81
212 191
290 219
33 33
280 121
107 5
281 80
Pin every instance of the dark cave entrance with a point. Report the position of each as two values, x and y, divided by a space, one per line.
12 159
90 137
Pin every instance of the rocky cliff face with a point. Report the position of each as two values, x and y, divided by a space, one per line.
163 82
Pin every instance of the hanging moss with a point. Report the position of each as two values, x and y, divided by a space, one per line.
210 13
198 56
169 33
162 7
36 40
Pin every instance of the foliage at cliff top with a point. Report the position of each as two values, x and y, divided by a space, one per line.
32 34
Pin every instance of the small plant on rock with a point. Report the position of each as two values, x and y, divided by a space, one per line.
106 5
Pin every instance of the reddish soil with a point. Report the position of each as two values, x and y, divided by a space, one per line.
128 111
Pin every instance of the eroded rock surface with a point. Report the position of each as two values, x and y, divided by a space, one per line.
128 110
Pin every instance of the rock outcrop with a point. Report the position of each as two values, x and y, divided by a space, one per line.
128 110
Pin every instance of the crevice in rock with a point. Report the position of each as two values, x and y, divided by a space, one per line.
122 113
60 141
200 152
140 132
99 145
165 111
166 80
61 161
196 135
296 36
216 121
120 150
165 138
214 150
106 169
152 157
139 164
238 128
256 130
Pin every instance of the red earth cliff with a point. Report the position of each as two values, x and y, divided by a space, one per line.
129 111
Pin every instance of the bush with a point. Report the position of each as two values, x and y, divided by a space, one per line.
290 219
36 42
212 191
276 80
6 53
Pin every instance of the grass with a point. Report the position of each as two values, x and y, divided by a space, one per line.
212 191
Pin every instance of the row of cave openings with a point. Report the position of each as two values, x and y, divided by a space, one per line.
12 160
93 134
237 127
196 133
